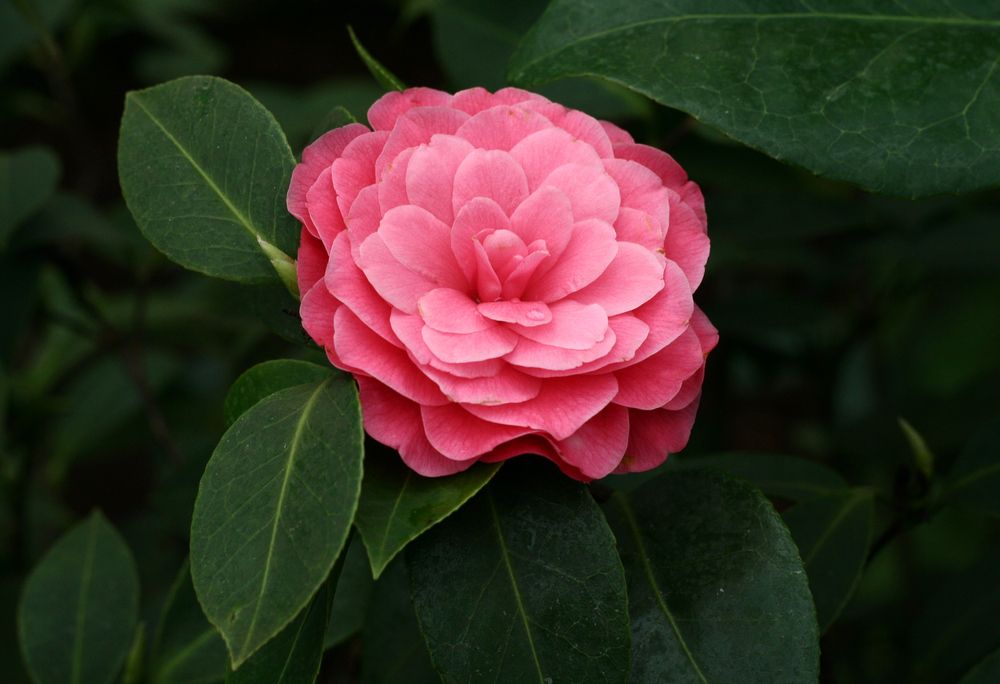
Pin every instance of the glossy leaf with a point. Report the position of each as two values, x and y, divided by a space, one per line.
393 650
986 672
874 93
28 179
187 649
353 594
523 584
265 379
777 475
397 505
974 480
80 606
294 655
204 169
385 78
833 533
274 509
716 589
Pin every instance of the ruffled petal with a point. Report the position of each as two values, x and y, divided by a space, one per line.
654 382
491 343
355 169
422 243
541 153
383 114
477 216
310 262
493 174
395 283
458 434
347 283
316 158
430 174
451 311
591 248
655 434
573 326
592 193
598 446
632 278
500 128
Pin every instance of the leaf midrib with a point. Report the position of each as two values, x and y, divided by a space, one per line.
243 220
622 501
293 448
934 21
81 606
184 653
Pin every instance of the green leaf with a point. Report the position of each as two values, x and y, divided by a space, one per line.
350 602
523 585
80 606
265 379
385 78
922 455
187 648
28 179
274 509
833 533
986 672
393 650
875 93
278 310
136 659
974 480
294 655
715 585
397 505
777 475
205 169
335 118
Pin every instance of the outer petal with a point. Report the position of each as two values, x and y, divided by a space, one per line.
417 127
324 212
346 282
383 114
598 446
632 278
318 310
311 261
315 159
686 243
657 161
507 386
475 100
458 434
395 421
355 169
658 379
500 128
592 192
654 434
430 175
615 134
533 444
543 152
490 343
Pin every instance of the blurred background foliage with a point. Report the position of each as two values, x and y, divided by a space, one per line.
839 311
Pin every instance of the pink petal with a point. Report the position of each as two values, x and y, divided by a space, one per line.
591 192
657 161
515 283
478 215
561 407
591 248
691 196
690 390
500 128
615 134
364 219
655 381
654 434
395 283
430 175
491 343
360 349
707 333
458 434
493 174
417 127
488 287
629 334
632 278
639 187
529 355
588 129
315 159
408 329
347 282
318 310
597 447
507 385
686 243
396 422
355 169
639 227
545 215
392 182
573 326
505 251
311 261
475 100
383 114
323 209
527 314
422 243
541 153
451 311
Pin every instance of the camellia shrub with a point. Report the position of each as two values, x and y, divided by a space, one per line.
421 420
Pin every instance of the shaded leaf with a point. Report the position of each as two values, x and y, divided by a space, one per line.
80 606
716 588
833 533
393 650
974 480
136 660
204 169
187 649
278 310
986 672
523 584
385 78
397 505
350 602
873 93
777 475
28 179
274 509
265 379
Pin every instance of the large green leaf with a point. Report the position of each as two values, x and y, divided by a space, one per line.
265 379
353 594
974 480
393 650
204 169
901 98
397 505
28 179
187 649
716 589
294 655
833 533
777 475
80 606
986 672
523 584
274 509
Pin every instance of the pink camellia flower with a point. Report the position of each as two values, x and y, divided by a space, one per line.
504 276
